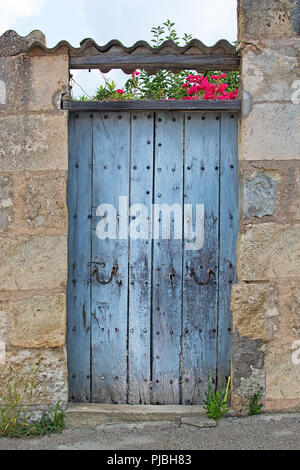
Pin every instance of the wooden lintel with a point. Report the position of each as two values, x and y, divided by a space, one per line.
199 62
155 105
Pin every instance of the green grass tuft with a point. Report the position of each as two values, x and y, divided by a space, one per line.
255 408
215 402
16 419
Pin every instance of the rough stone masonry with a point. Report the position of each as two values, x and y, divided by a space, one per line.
266 300
33 213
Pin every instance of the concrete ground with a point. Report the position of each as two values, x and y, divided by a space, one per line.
268 431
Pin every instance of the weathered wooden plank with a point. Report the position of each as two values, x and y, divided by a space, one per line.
109 302
199 62
228 236
167 261
79 246
155 105
201 186
140 259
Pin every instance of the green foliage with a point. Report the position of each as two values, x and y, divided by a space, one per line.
255 408
16 419
158 38
167 32
164 84
106 92
215 402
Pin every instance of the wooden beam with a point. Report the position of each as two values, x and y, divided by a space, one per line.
157 105
199 62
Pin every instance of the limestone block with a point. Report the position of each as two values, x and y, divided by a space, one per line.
282 376
32 262
270 132
33 83
271 189
259 195
269 74
267 18
269 252
37 322
6 202
45 200
49 78
15 75
33 142
51 378
255 310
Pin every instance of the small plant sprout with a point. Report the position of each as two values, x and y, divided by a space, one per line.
16 419
216 401
255 407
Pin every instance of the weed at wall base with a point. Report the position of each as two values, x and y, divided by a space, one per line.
216 401
255 407
16 419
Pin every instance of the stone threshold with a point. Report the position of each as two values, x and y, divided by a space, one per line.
90 415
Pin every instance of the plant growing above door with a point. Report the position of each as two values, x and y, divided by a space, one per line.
214 85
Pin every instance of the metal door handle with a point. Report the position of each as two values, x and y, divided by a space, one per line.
114 272
209 274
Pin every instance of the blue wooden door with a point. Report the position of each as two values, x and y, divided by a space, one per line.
153 220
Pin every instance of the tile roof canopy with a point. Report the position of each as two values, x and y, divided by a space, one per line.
115 55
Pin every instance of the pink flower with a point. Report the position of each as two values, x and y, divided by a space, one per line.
199 87
121 92
192 90
135 73
222 88
233 94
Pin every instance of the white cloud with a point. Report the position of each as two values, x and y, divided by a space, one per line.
11 10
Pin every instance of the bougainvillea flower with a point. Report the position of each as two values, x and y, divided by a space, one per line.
200 87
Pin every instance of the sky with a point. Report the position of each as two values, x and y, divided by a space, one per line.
126 20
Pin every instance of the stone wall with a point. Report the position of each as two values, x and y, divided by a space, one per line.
266 300
33 214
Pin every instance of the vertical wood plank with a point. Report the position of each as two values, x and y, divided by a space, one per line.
79 245
229 215
167 262
200 303
140 260
109 302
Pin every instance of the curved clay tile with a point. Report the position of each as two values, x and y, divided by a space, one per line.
11 43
